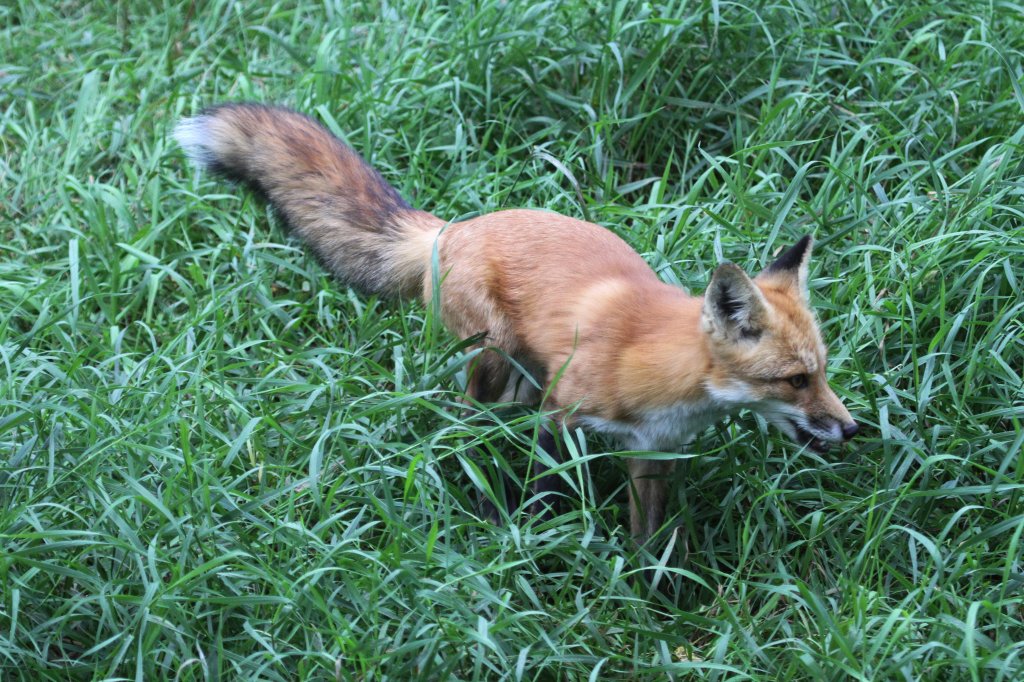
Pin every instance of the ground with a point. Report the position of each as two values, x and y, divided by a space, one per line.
217 463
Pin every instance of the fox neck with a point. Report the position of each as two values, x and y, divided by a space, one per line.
665 397
670 362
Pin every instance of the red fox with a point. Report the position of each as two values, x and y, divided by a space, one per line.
634 357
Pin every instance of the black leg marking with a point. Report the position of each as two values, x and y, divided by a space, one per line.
548 489
502 485
488 375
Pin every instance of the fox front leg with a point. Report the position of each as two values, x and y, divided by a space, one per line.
648 495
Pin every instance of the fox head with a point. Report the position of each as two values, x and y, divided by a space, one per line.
766 351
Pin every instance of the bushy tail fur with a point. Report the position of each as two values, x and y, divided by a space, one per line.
356 223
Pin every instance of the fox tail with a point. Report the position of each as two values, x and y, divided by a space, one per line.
355 223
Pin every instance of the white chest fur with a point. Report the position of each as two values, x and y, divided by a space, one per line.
664 428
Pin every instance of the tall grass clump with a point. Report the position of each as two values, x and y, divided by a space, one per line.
217 463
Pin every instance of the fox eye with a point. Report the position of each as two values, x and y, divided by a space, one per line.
798 381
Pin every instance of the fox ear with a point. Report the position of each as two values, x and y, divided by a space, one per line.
733 305
790 267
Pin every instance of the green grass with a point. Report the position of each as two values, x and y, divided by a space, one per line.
217 463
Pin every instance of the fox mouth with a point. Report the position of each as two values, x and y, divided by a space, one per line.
805 437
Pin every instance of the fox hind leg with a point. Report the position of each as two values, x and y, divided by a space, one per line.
487 376
491 379
547 489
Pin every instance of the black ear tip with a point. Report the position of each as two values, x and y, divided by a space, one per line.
791 258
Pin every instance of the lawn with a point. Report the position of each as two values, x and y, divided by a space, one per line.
218 463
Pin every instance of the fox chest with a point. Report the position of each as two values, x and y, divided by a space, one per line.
664 429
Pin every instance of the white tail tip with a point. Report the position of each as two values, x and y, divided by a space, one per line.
193 134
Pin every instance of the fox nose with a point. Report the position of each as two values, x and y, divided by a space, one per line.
850 430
